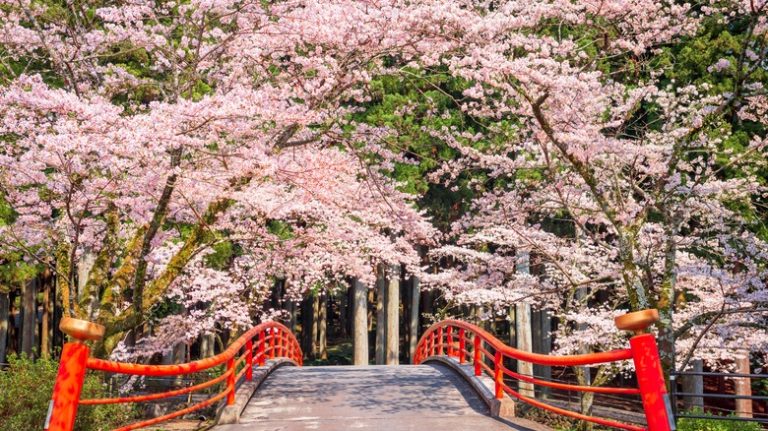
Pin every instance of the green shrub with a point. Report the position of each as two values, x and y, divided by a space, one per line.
25 390
690 424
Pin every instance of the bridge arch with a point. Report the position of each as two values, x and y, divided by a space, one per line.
473 354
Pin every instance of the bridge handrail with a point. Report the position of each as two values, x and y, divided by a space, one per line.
452 338
535 358
272 340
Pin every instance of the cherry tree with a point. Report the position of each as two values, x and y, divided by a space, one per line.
619 184
144 134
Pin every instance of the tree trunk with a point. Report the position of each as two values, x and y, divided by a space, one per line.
512 324
29 317
350 303
322 326
392 303
277 295
381 324
360 322
292 316
344 312
586 399
58 337
179 357
371 300
743 387
207 345
694 384
542 343
584 376
523 328
315 328
476 313
14 323
45 325
5 309
84 266
413 317
427 301
524 343
308 322
666 340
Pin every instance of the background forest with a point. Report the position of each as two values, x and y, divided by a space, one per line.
181 170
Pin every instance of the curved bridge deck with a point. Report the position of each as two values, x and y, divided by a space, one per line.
400 398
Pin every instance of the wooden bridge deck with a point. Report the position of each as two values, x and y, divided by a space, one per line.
402 398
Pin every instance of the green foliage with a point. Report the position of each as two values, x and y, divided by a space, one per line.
26 387
13 269
222 255
760 387
339 353
556 422
280 228
689 424
411 104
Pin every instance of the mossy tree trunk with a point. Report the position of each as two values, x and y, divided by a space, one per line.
29 310
413 316
5 309
392 328
322 326
45 324
360 323
381 316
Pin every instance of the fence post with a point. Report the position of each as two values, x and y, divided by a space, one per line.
262 340
650 377
231 381
249 360
62 408
450 341
440 347
272 342
462 346
498 377
476 355
283 343
432 337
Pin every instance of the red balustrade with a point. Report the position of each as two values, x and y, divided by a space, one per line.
269 340
488 349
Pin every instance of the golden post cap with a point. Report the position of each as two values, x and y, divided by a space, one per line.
81 329
638 321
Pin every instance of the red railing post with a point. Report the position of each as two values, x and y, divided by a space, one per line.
62 408
66 391
277 342
231 381
440 350
272 342
432 337
650 380
650 377
249 360
476 355
262 340
462 346
450 341
498 375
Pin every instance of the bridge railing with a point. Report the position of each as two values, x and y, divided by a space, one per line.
471 344
269 340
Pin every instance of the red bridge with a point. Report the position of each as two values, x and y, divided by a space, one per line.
458 381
